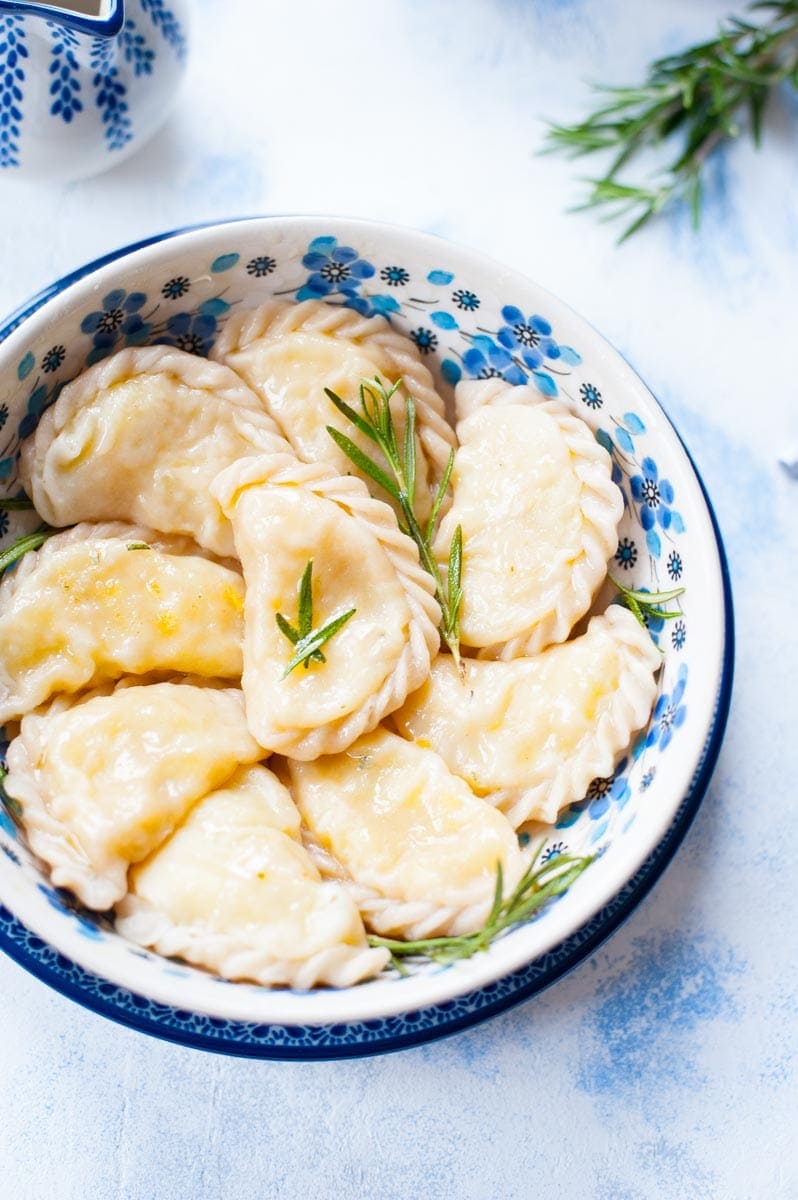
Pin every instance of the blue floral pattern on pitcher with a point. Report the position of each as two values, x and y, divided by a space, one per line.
73 86
13 52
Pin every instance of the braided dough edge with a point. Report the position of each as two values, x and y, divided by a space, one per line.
337 966
410 920
627 710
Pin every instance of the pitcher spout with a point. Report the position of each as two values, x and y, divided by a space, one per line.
96 18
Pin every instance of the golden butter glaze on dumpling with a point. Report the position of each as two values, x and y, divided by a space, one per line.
529 735
289 353
533 492
100 601
418 848
285 513
234 890
139 437
104 778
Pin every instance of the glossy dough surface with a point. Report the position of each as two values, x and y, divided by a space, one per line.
139 437
234 890
102 780
529 735
289 353
420 849
285 513
539 512
93 605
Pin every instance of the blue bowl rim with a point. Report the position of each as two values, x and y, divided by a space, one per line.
329 1043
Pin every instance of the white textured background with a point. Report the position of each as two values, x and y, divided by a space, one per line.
667 1065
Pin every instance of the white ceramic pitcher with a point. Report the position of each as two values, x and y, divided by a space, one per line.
84 83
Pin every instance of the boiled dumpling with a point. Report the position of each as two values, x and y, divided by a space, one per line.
289 353
419 848
285 514
103 779
234 890
529 735
100 601
139 437
533 493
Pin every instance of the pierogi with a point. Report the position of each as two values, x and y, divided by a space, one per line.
139 437
286 514
419 849
530 735
100 601
234 890
533 494
102 779
289 353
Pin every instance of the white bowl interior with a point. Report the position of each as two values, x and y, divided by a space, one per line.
468 316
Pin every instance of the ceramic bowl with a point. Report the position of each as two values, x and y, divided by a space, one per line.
469 318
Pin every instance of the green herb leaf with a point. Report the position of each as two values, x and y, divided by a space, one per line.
310 645
646 604
540 882
705 93
648 597
306 640
16 504
139 546
439 496
351 415
306 600
410 450
362 460
284 627
28 541
454 593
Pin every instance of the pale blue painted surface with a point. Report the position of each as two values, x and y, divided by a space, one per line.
667 1065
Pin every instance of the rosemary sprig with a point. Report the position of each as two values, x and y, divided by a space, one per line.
306 640
646 604
704 94
375 421
28 541
539 883
15 504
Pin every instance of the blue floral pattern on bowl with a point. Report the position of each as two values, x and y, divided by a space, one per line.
464 337
339 272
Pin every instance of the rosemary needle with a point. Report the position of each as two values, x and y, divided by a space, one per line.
15 504
646 604
28 541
